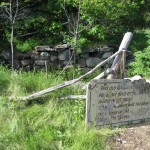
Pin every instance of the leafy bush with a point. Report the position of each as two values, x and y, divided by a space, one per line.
141 65
27 45
139 42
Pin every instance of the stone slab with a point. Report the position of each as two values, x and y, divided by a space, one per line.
44 48
117 102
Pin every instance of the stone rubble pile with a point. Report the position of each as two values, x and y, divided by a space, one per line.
55 57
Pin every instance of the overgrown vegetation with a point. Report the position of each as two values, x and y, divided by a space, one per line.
53 22
47 23
141 65
48 123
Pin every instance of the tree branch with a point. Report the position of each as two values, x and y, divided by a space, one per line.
16 11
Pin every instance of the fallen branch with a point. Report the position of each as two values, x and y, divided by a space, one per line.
54 88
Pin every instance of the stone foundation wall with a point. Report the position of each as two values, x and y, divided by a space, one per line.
55 57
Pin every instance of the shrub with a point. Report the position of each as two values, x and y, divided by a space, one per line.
141 65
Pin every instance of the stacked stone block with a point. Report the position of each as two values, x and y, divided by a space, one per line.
55 57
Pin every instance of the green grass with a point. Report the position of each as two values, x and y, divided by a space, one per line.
53 125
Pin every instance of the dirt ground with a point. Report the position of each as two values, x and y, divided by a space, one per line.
133 138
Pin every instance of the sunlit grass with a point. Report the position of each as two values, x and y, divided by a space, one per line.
55 124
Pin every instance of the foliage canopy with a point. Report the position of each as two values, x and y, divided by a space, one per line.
100 21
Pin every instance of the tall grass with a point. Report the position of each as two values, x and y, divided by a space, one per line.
54 125
4 79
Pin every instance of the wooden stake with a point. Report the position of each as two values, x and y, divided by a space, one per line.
122 65
46 69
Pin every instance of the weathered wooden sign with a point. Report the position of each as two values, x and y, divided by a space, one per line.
117 102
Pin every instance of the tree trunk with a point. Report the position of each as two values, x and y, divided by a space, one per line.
74 54
12 46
